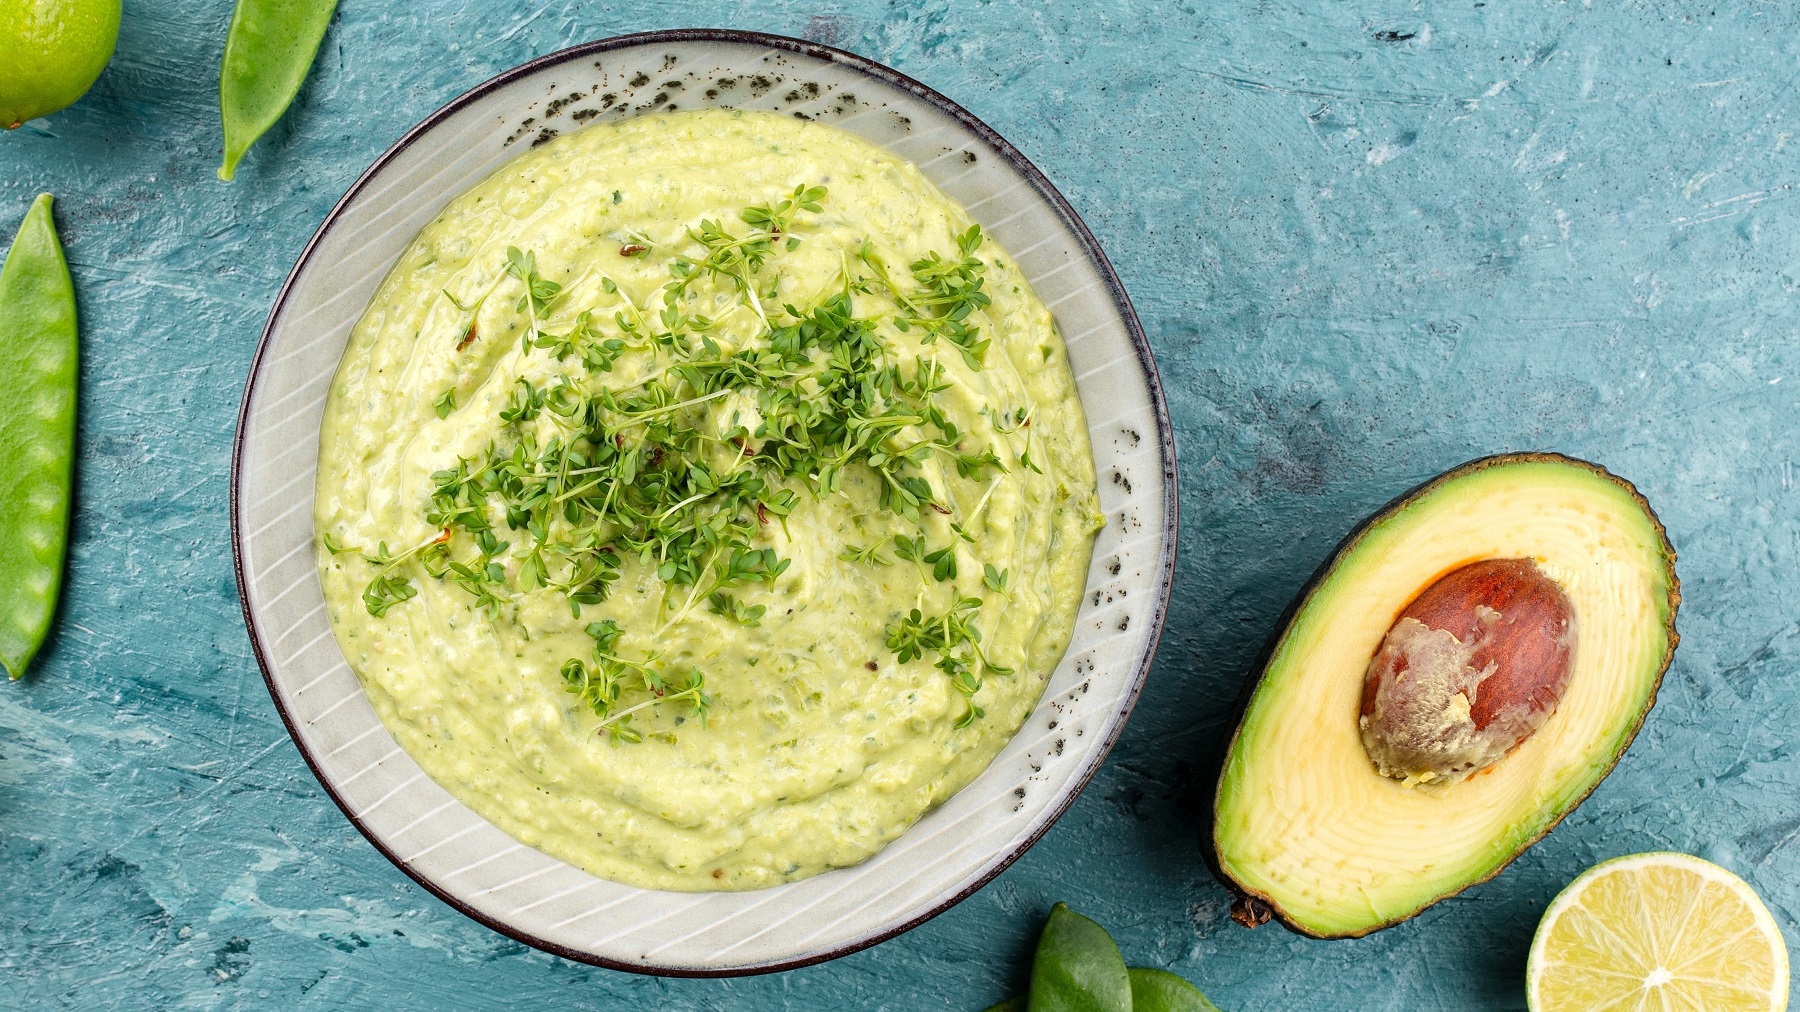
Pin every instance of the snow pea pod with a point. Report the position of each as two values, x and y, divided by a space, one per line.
38 363
1077 967
268 50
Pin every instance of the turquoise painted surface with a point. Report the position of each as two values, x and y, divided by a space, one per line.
1367 244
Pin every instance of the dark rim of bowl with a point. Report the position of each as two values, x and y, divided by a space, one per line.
1044 189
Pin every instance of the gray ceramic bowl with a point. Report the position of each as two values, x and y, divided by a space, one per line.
542 901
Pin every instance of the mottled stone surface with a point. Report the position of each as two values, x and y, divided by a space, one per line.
1367 245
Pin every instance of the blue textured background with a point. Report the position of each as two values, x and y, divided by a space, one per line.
1367 245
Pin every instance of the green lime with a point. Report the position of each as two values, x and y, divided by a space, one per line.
51 51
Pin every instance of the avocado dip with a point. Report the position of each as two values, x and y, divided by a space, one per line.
703 498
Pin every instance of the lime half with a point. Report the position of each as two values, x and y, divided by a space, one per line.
1659 933
50 53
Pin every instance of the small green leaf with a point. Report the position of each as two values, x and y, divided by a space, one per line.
1078 967
1161 991
994 579
942 563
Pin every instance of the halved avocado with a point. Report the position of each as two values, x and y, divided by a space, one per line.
1306 829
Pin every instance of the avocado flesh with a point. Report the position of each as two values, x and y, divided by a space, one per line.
1303 821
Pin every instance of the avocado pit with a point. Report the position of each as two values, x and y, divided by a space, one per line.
1470 669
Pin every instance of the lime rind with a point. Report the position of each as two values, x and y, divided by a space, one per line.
53 53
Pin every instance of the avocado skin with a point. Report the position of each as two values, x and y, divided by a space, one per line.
1251 908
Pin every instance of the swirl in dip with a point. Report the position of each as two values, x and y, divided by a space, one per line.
702 500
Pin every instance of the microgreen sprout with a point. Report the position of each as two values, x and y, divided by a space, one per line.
587 478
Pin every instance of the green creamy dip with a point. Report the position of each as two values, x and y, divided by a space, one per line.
755 702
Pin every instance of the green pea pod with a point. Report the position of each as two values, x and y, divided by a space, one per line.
1162 991
1077 968
1016 1004
38 362
268 51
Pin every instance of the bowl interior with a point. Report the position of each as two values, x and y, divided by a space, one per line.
543 901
